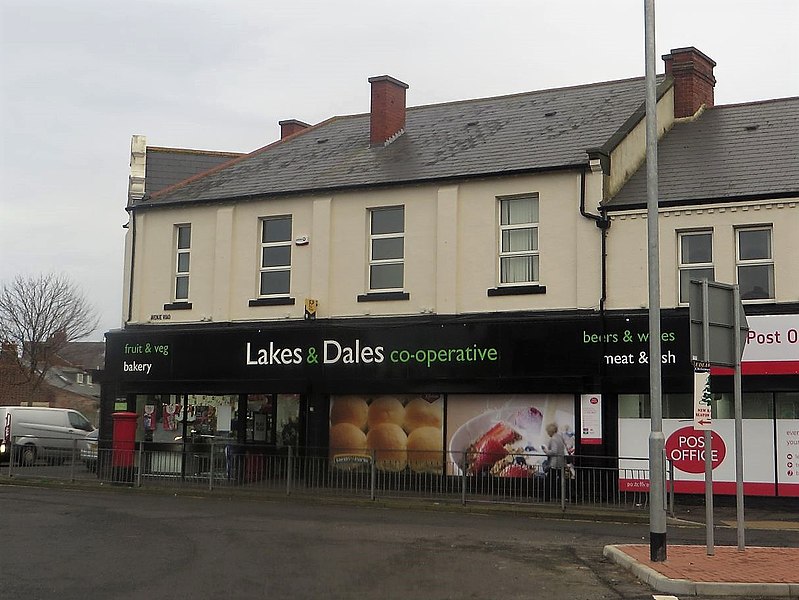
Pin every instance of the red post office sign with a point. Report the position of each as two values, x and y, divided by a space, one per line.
686 449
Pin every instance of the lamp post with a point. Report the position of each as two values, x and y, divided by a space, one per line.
657 470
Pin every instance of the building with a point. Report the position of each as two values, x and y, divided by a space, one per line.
728 180
72 379
402 281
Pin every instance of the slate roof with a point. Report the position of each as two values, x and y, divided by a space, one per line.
168 166
734 152
83 355
540 130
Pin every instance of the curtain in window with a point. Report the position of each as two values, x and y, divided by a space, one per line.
520 210
519 269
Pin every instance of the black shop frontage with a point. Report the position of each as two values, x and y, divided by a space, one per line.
432 384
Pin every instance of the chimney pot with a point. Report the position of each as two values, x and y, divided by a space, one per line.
387 115
693 80
290 127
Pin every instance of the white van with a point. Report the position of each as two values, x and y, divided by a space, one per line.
33 432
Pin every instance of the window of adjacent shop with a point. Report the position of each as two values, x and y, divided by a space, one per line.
695 259
387 249
755 405
275 269
182 260
518 240
754 263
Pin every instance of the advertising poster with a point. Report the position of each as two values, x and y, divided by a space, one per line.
399 432
788 457
505 435
591 419
685 449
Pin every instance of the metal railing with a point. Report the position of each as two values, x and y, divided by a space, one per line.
584 481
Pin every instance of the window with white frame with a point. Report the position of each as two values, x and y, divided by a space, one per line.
182 260
88 379
387 249
79 377
275 272
518 240
754 263
695 259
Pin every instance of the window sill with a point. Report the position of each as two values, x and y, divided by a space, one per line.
272 302
518 290
178 306
383 296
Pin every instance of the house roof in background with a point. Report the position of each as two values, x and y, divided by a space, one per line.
547 129
168 166
740 151
83 355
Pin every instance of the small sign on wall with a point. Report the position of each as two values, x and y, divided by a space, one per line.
591 419
311 305
702 400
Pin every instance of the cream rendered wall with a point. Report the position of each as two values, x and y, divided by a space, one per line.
447 221
222 264
569 244
350 250
128 247
245 279
631 151
627 273
154 271
451 252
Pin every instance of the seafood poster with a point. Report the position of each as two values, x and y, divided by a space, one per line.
504 435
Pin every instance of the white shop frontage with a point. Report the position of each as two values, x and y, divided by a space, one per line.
770 369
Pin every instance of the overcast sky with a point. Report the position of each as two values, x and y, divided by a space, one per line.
79 77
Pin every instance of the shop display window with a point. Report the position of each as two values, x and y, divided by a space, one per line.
638 406
162 416
273 419
756 405
787 405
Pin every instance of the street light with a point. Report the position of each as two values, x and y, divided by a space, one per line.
657 470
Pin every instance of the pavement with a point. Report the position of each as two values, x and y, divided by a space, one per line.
689 570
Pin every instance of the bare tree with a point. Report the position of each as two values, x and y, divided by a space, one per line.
39 316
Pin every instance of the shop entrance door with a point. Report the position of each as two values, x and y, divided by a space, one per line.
273 419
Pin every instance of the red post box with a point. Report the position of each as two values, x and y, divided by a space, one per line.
124 440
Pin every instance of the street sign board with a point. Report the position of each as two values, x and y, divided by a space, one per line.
718 337
713 323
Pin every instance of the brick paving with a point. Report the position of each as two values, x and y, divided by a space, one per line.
727 565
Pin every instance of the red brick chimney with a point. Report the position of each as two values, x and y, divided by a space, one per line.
388 109
693 80
290 127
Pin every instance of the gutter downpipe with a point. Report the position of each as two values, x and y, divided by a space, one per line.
132 261
603 222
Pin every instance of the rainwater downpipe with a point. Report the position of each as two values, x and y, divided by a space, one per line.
603 222
132 262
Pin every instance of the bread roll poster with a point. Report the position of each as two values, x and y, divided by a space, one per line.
399 432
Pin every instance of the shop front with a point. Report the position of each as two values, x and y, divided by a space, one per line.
455 395
770 420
